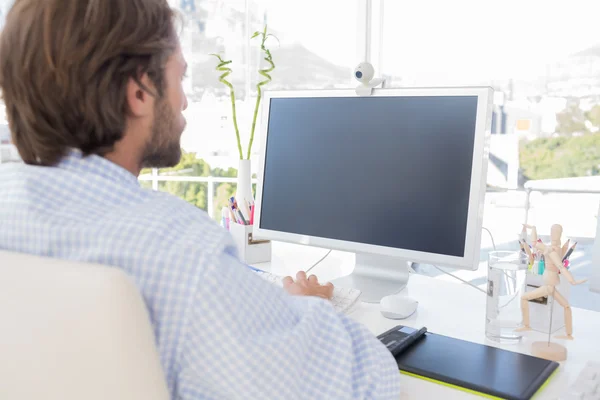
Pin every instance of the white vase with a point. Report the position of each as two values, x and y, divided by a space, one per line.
244 185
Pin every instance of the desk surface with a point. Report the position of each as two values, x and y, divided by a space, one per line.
447 308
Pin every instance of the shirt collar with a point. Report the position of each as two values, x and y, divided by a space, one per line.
76 161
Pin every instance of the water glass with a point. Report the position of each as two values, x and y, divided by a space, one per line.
507 273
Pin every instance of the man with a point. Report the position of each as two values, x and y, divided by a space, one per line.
93 94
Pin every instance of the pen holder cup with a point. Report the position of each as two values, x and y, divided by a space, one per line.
539 309
251 251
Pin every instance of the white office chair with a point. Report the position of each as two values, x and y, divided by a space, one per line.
74 331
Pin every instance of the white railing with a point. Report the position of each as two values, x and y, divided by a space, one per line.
8 153
210 181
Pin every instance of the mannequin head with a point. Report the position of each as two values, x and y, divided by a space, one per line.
556 234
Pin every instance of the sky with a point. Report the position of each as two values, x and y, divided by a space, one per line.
434 39
468 39
438 41
327 27
430 42
496 39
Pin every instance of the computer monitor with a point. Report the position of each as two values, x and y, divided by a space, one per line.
395 177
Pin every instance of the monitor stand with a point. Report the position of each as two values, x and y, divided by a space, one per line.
376 276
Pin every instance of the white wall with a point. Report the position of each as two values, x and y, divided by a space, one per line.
505 147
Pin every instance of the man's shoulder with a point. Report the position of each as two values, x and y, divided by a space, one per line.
112 212
172 209
179 222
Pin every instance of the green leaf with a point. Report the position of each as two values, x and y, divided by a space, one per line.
273 36
226 71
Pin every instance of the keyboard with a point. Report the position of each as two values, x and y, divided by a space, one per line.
587 385
343 299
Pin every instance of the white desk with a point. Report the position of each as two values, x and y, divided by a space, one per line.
447 308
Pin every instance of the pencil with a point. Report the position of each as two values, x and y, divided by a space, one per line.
528 251
521 245
242 219
565 247
233 217
566 257
526 246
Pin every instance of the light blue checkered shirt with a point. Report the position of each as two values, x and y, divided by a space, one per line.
222 332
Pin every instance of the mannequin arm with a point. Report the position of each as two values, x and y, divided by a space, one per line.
534 235
540 246
565 272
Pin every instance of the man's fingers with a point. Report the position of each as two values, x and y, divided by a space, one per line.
301 276
328 287
324 291
287 281
307 286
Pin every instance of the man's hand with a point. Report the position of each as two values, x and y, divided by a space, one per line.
307 286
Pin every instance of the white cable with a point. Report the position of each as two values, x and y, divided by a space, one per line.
491 236
464 281
494 246
509 301
460 279
318 262
435 266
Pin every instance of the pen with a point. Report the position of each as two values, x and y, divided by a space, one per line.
528 251
406 343
247 209
524 233
233 203
242 219
566 257
530 256
233 216
238 215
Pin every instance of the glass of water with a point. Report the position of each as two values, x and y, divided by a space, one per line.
507 272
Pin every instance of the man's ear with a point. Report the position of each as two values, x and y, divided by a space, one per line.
140 100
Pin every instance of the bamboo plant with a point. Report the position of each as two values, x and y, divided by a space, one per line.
224 67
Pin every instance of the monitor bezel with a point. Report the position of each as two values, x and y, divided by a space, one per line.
471 257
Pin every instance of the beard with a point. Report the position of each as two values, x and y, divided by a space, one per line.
163 150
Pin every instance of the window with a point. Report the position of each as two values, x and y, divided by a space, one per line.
543 60
307 55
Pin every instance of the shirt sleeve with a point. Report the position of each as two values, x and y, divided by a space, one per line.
248 339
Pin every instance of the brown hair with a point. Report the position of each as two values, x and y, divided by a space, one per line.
65 65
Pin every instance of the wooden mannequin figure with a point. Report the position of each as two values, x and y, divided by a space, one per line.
553 254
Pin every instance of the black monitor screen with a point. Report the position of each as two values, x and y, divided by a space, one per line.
387 171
